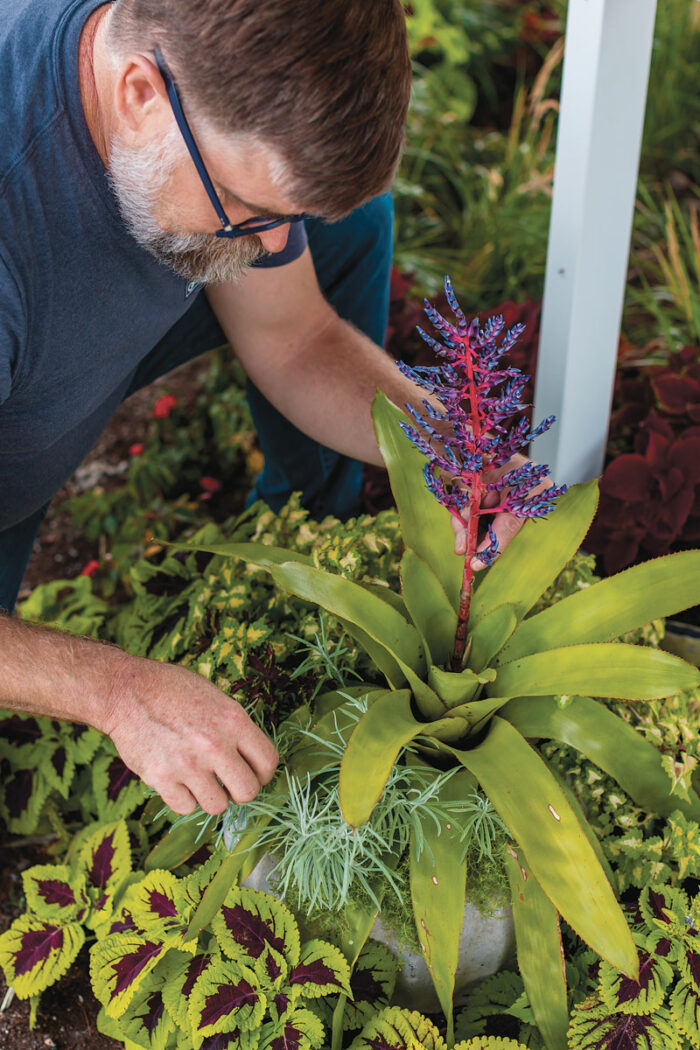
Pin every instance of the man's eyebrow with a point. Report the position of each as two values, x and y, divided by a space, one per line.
256 209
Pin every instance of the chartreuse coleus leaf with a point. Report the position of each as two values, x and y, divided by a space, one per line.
684 1005
620 994
55 891
611 607
146 1022
105 857
299 1030
119 964
117 790
540 819
438 877
535 557
593 1027
490 1042
181 973
425 525
429 607
540 950
35 953
396 1029
226 998
372 984
154 905
374 746
607 740
249 921
610 669
321 970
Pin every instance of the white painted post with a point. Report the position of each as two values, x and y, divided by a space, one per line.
604 87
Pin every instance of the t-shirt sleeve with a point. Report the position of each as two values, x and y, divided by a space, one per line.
295 246
11 326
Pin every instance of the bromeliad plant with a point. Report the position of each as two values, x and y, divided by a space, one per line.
524 677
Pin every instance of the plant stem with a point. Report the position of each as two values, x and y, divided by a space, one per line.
465 595
337 1025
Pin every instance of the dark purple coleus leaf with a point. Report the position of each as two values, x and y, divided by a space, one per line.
629 989
222 1041
658 902
58 760
313 972
18 792
122 925
379 1042
36 947
56 891
119 776
281 1002
19 731
130 965
101 866
693 961
161 905
289 1039
365 987
228 997
153 1012
250 931
196 967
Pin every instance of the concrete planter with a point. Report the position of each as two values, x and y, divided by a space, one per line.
486 945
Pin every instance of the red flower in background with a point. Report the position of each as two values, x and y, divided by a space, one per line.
164 406
135 450
90 569
209 486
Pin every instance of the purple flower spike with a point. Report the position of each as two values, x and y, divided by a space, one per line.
467 430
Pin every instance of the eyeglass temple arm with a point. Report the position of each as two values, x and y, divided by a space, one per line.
189 139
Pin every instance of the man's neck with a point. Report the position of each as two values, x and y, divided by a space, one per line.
93 79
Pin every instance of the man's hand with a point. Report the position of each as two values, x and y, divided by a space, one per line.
178 732
505 525
185 738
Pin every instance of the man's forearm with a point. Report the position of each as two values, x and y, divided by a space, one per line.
47 672
327 388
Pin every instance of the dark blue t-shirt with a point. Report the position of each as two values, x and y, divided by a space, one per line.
81 303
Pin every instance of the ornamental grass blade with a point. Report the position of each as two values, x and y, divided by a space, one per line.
438 888
540 951
539 817
660 587
607 740
425 525
536 556
346 599
428 606
177 846
610 669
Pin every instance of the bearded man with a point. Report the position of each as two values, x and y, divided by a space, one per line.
175 176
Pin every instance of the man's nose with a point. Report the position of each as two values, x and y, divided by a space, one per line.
275 240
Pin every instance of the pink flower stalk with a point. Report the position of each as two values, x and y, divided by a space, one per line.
473 398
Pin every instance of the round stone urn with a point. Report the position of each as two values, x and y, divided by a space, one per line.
486 946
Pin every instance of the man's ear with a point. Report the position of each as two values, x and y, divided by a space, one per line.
140 98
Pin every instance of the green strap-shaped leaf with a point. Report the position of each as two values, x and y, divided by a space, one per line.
255 553
380 657
454 688
540 951
660 587
374 746
606 740
347 599
535 557
611 669
429 607
425 525
535 810
438 884
177 846
490 635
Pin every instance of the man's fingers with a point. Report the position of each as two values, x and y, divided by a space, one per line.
239 780
506 526
178 798
260 753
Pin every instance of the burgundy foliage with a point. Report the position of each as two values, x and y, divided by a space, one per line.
58 760
154 1012
101 869
250 931
55 891
118 776
195 969
19 731
314 972
290 1039
18 792
229 997
630 989
365 987
130 966
161 905
36 947
222 1041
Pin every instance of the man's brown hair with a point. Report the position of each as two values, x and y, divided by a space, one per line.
325 83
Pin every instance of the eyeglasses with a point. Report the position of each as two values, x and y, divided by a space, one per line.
229 229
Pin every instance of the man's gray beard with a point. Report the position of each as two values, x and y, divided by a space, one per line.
139 178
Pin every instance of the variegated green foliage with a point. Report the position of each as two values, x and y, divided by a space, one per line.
250 983
63 900
396 1029
662 1009
488 709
